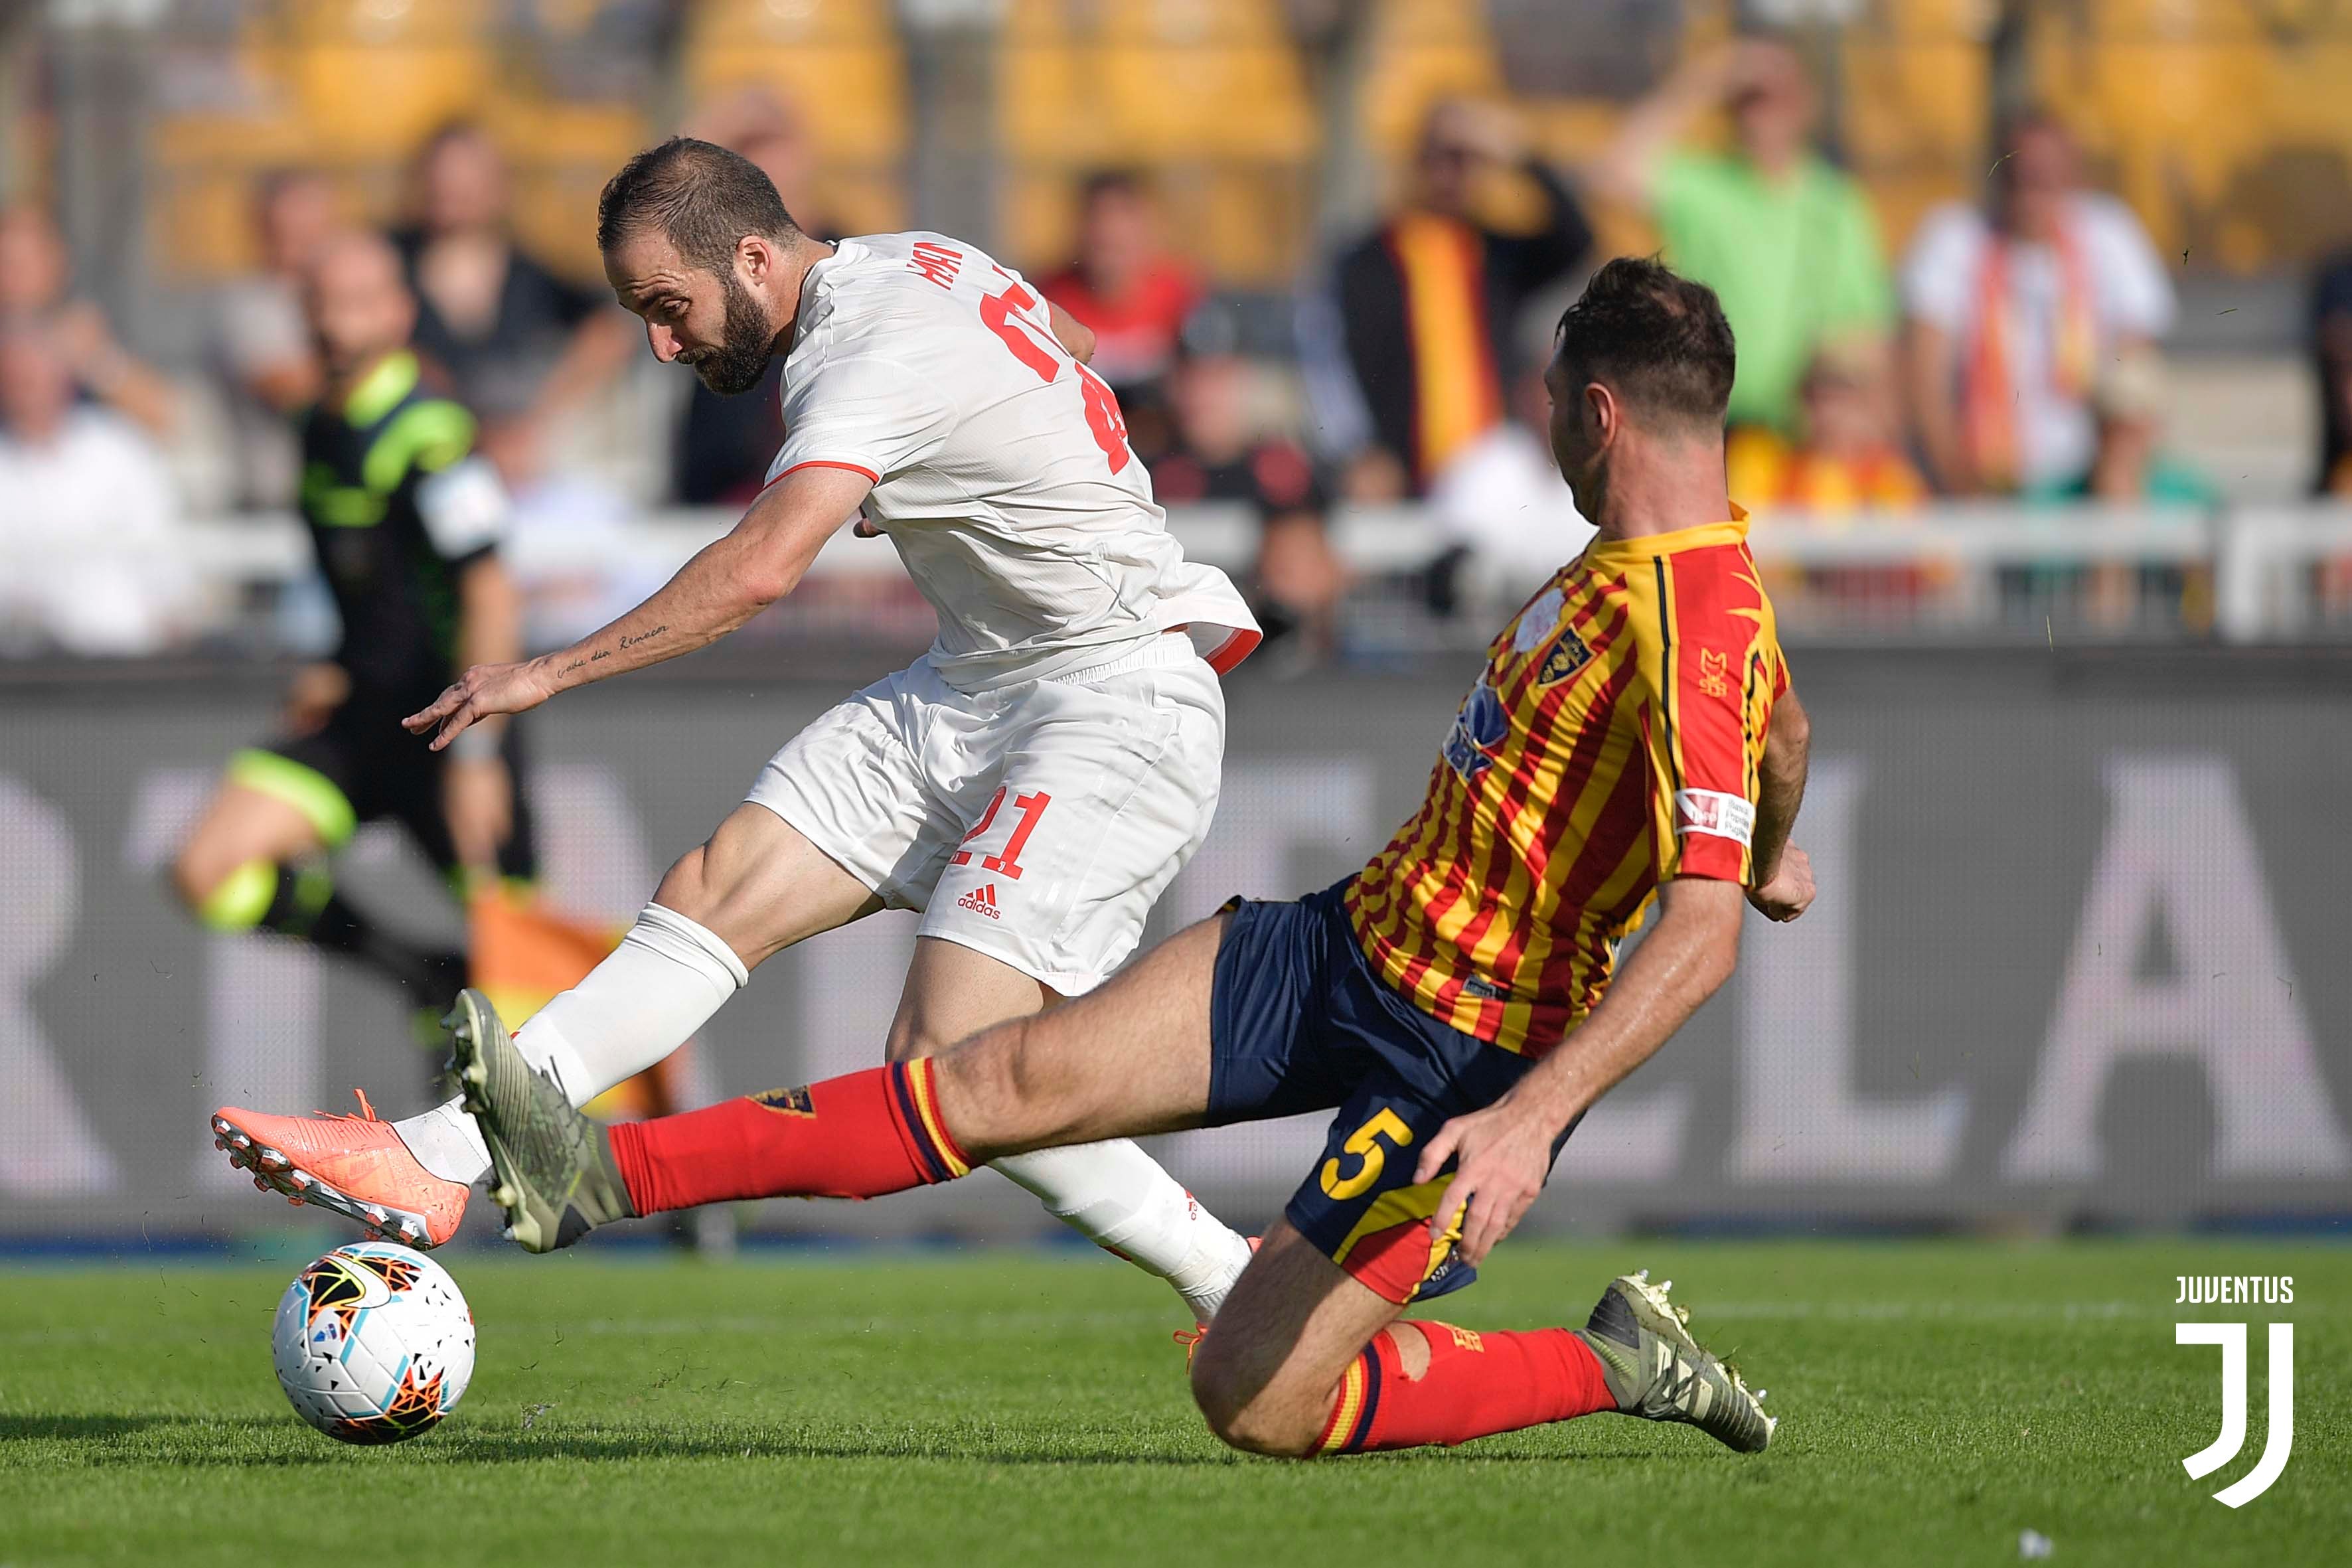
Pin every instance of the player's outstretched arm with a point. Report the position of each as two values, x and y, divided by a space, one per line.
1504 1152
728 581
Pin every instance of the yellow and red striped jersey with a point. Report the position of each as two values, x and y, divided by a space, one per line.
1612 743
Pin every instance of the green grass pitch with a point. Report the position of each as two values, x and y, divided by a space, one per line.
1027 1407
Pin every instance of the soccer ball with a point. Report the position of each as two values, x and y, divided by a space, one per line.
373 1342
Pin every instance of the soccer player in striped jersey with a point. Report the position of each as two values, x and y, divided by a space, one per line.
1633 739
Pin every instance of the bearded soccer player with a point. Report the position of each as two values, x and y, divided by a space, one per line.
1030 784
1633 738
405 519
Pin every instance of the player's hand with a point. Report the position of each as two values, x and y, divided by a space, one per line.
313 695
1503 1153
477 802
1789 891
482 692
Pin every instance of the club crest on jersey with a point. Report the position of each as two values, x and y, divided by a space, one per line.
791 1101
1568 655
1477 733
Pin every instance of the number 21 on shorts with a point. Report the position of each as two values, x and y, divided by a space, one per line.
1005 862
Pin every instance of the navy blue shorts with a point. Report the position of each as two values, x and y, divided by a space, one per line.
1298 1020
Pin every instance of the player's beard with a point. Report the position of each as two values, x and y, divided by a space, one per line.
741 360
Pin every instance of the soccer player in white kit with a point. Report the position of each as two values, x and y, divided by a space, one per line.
1030 784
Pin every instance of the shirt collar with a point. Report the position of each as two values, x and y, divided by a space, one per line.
1734 532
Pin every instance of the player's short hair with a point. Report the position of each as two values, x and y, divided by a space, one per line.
702 197
1655 338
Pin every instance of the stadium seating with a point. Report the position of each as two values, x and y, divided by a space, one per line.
352 90
1913 97
2226 126
1207 94
842 61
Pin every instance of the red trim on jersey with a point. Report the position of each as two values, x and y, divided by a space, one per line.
871 477
1233 649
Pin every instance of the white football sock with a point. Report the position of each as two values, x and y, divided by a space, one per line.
1117 1196
645 1000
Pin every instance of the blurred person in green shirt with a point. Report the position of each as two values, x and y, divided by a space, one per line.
1789 243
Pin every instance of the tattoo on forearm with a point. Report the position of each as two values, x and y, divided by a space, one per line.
602 654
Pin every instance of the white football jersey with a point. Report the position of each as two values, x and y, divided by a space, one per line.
1000 464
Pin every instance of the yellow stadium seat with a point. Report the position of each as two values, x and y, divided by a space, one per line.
2191 110
368 76
1209 94
838 60
1180 81
1422 51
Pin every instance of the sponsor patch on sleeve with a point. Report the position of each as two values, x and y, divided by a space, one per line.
1712 811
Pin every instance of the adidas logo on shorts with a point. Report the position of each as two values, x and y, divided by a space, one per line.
983 902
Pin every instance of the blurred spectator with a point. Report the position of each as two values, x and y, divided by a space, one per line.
1427 304
88 516
725 444
261 346
35 279
1787 242
1505 513
1847 454
2127 405
2014 312
521 345
1219 455
1132 293
2331 344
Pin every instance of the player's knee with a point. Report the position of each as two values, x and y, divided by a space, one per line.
1243 1418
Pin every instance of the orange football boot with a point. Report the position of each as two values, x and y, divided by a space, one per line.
355 1167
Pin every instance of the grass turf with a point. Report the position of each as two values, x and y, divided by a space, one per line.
1026 1406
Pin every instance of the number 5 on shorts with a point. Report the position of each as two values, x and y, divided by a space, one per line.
1364 1142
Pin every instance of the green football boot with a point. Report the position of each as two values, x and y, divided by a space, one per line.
1656 1371
555 1176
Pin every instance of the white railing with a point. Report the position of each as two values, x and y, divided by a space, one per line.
2243 575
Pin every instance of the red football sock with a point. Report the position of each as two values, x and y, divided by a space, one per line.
1477 1384
856 1136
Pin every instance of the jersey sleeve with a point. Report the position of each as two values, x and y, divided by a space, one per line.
1709 680
864 413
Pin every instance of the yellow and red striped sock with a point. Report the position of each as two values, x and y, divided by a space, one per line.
858 1136
1476 1384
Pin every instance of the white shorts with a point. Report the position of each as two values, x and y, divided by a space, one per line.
1035 822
